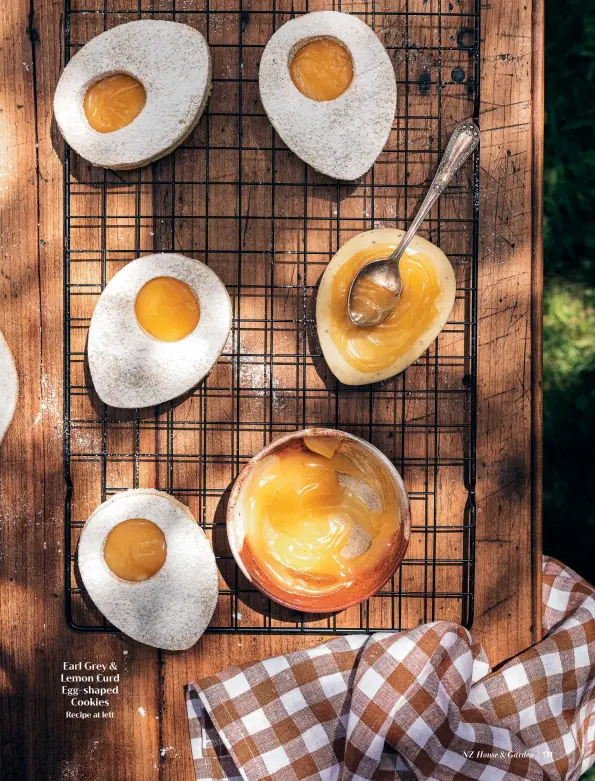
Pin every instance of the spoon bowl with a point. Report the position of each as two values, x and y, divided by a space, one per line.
377 287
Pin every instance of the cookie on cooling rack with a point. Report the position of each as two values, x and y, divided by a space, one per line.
328 87
134 93
158 328
359 356
149 568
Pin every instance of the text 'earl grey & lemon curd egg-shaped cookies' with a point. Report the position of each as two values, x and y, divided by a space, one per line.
158 328
328 87
149 568
134 93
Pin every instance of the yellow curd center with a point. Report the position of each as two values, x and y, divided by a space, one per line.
167 309
322 69
308 527
113 102
378 347
135 549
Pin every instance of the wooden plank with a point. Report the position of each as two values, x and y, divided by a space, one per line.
38 740
154 745
22 563
508 603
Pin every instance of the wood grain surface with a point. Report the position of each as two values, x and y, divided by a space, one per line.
147 739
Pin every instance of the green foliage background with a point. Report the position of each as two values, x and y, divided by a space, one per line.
569 306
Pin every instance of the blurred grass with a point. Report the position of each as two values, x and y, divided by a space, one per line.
569 295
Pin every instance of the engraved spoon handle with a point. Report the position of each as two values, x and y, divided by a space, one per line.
462 143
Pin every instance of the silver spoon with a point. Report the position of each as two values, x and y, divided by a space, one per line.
385 271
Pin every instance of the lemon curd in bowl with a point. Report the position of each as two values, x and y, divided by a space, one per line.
319 520
358 356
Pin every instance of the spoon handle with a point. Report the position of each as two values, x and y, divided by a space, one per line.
461 144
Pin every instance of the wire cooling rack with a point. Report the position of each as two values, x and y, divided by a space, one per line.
235 197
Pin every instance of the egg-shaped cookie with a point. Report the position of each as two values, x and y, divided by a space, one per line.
359 356
149 568
328 87
9 386
134 93
158 328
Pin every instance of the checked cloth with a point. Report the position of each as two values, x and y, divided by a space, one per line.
409 705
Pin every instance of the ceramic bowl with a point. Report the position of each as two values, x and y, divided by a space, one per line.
361 588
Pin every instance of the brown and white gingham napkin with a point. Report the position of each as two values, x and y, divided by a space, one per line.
417 704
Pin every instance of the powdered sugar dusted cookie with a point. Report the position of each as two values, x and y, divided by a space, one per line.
158 328
149 568
9 386
328 87
133 93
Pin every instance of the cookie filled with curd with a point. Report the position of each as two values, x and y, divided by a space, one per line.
133 93
359 356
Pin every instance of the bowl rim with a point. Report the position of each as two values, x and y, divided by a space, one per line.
231 516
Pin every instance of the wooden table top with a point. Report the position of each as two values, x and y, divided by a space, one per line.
147 738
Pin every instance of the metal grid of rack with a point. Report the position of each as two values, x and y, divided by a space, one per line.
233 196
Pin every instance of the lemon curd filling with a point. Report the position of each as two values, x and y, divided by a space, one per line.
167 309
318 515
114 102
377 347
135 549
321 69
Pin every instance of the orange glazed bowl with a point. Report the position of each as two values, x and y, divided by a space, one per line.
319 520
